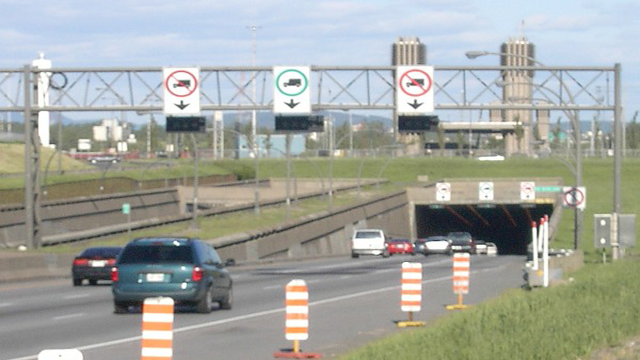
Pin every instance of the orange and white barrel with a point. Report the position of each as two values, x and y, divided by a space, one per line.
157 328
411 289
461 266
297 310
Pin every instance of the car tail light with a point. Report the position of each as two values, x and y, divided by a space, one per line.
80 262
197 273
111 262
114 274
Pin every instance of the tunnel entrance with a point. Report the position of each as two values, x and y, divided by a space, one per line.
506 225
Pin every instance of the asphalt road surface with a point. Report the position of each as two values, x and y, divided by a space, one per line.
352 301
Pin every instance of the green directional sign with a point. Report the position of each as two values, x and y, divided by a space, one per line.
126 208
548 188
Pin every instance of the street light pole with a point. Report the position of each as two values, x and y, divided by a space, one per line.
576 132
254 131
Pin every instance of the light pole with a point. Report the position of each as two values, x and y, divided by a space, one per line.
574 118
254 131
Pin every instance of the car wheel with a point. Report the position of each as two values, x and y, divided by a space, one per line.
355 256
93 282
77 282
120 307
204 305
227 302
386 254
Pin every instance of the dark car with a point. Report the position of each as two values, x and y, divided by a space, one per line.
400 246
462 241
94 264
188 270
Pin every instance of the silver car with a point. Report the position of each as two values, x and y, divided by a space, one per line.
433 245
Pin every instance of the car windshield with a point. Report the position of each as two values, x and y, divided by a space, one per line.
437 239
367 234
157 254
460 238
400 241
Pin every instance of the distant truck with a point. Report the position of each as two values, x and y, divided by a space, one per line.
369 242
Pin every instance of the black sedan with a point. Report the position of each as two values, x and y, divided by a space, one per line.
94 264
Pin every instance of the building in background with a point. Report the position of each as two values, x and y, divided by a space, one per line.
272 146
517 51
408 51
113 134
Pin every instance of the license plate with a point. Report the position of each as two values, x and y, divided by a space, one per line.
155 277
98 263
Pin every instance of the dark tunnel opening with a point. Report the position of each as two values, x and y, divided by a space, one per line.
506 225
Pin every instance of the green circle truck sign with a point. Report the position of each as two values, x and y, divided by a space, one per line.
291 90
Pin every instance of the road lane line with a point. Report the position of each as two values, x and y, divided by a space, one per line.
272 287
5 304
259 314
76 296
70 316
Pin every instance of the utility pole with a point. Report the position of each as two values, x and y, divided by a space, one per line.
254 129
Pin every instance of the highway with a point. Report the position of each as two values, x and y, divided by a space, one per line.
352 301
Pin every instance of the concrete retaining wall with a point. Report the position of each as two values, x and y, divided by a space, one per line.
326 233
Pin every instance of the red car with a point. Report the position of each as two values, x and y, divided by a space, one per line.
400 246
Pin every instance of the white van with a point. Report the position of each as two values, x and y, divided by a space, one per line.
369 242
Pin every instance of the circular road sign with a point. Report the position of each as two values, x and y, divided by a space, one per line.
181 83
415 83
291 82
574 197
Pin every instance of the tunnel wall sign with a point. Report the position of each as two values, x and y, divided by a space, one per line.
485 190
527 190
443 191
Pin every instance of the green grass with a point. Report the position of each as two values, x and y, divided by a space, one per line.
597 177
599 309
217 226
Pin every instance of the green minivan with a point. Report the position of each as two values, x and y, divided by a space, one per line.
188 270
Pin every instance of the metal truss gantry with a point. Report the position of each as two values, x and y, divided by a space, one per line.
343 88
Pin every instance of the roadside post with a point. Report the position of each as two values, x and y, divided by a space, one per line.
411 293
545 251
296 320
157 328
126 209
534 244
461 267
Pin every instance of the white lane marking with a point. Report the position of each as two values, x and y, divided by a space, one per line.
70 316
5 304
272 287
315 281
346 277
258 314
76 296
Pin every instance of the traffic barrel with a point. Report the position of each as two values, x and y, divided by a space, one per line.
411 292
296 320
461 267
157 328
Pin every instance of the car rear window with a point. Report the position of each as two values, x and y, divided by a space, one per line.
367 234
157 254
102 252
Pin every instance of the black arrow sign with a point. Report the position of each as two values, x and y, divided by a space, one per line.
415 104
291 104
182 105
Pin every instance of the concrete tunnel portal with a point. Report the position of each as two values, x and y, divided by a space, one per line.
506 225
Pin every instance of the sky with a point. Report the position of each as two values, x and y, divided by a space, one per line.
101 33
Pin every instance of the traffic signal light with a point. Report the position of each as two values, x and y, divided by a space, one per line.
305 123
417 123
186 124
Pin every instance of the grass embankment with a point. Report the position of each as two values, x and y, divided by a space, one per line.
599 309
217 226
